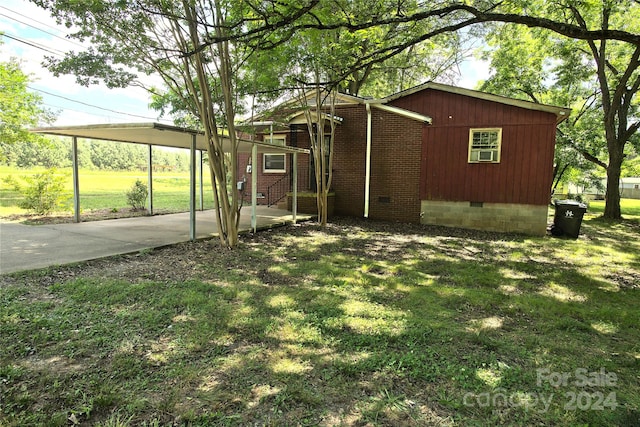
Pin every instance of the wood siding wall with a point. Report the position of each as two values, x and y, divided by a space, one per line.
524 174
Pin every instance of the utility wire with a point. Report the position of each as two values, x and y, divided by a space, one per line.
60 107
95 106
40 29
30 18
37 46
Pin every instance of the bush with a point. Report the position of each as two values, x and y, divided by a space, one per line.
137 195
43 193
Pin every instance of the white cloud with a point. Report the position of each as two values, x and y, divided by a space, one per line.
473 71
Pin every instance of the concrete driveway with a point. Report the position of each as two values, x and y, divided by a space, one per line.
26 247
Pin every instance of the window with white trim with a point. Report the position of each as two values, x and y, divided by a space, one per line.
484 145
274 163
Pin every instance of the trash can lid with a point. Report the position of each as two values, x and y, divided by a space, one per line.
573 203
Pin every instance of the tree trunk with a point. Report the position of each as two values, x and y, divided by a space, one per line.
612 197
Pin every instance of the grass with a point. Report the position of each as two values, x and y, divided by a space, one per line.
359 324
108 189
630 207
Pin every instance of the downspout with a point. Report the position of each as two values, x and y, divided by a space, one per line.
367 173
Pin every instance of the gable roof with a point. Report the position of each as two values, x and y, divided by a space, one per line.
561 113
343 99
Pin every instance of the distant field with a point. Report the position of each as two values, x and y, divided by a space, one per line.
107 189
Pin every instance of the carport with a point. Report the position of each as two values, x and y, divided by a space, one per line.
159 134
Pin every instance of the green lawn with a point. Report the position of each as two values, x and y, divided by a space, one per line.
107 190
361 324
630 207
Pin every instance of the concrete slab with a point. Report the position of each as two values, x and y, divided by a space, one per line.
24 247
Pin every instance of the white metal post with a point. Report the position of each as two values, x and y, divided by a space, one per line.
254 186
150 179
367 173
294 198
192 189
76 180
201 183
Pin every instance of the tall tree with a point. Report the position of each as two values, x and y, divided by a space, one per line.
20 109
189 43
596 77
529 64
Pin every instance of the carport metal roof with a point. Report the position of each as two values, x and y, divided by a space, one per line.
170 136
158 134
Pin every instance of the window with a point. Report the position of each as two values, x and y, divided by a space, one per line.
279 140
484 145
274 163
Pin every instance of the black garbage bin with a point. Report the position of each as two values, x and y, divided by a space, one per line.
568 218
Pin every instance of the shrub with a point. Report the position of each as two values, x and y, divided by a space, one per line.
137 195
43 192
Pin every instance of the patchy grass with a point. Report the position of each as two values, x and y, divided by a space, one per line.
359 324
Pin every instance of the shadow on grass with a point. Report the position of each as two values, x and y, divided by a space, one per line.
355 325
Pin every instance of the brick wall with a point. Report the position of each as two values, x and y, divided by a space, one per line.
395 165
395 168
265 180
396 146
349 161
307 203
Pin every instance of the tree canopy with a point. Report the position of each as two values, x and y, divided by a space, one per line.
20 109
599 79
212 53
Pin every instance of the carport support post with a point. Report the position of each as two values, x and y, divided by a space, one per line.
150 179
76 180
192 189
294 199
201 183
254 186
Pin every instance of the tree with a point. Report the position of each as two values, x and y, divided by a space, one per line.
20 109
193 45
525 64
189 44
597 76
314 105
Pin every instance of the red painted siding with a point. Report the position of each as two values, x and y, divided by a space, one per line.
525 171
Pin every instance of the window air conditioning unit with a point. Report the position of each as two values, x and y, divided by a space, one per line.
485 155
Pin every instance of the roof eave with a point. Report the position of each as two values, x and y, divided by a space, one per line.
561 113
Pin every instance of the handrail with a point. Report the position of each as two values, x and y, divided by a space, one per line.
278 190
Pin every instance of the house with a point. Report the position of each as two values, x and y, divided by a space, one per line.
630 187
432 154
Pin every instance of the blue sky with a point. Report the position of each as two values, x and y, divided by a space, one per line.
32 34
